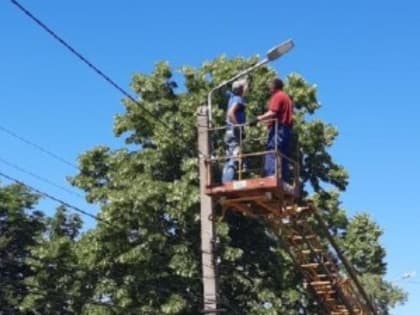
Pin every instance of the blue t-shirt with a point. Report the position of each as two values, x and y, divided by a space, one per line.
240 114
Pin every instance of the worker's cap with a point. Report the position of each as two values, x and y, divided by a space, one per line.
240 83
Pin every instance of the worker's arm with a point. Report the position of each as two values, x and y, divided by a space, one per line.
267 116
273 109
232 114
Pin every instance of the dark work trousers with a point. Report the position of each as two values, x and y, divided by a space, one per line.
283 143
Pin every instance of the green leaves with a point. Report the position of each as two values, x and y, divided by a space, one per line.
152 197
303 94
363 247
148 261
183 263
385 294
232 254
20 227
318 166
175 304
55 286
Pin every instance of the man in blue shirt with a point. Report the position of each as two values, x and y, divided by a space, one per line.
235 116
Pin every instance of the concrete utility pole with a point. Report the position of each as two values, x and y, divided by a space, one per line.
207 225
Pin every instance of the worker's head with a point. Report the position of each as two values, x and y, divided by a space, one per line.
276 85
239 87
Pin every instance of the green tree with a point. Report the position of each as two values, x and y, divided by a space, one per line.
362 245
56 285
20 226
148 260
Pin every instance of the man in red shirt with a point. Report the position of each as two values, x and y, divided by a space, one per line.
280 109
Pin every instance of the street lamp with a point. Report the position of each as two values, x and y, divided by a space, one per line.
273 54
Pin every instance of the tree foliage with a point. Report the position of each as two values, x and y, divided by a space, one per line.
56 283
150 257
147 260
362 245
20 225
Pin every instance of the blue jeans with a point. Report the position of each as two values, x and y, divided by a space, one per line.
232 150
283 141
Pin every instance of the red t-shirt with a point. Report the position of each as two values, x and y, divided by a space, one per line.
282 105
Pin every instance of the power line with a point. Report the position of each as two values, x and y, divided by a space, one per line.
84 59
98 71
53 198
89 64
58 200
83 212
41 178
37 146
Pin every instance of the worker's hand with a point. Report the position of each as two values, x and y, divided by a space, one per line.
262 120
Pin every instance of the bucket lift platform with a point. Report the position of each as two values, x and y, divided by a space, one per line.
251 193
257 197
327 274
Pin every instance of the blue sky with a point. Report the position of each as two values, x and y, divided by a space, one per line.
363 55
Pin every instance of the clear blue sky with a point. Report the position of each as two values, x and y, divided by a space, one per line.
364 56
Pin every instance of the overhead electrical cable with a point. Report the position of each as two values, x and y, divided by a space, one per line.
53 198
